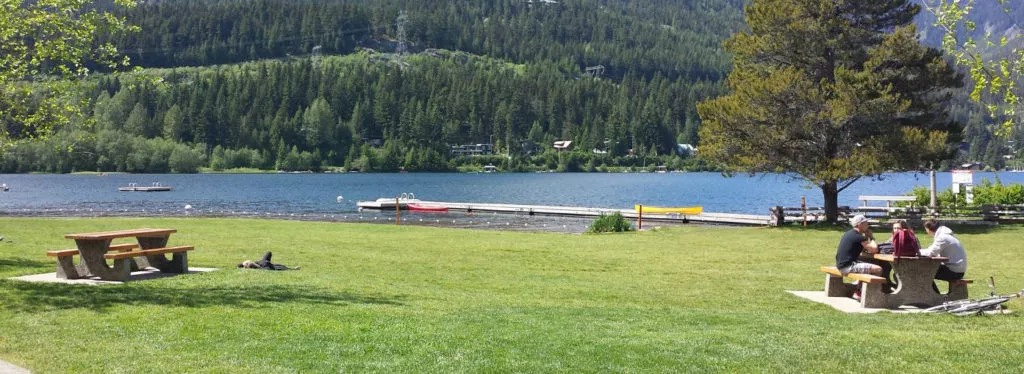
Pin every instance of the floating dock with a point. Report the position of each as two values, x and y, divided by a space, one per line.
566 211
156 187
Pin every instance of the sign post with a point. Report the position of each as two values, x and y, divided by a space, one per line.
965 178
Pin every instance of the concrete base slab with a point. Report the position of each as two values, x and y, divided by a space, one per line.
9 368
847 304
144 274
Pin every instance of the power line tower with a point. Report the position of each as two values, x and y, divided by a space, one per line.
317 57
400 22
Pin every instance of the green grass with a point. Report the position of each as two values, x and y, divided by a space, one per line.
382 298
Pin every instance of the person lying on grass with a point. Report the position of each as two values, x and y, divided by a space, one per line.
265 264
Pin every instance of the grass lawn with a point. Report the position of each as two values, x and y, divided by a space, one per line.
417 299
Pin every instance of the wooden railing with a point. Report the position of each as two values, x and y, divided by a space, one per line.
781 215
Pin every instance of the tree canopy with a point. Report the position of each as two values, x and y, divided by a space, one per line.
993 54
832 92
44 45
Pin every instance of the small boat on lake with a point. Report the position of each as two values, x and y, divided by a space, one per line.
689 210
4 188
156 187
413 207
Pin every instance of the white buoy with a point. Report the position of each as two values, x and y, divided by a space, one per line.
340 199
187 206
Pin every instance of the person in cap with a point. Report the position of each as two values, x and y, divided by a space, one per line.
854 242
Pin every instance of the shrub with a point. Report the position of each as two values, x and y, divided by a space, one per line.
611 223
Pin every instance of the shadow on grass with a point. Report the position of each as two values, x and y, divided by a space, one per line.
20 263
885 228
35 297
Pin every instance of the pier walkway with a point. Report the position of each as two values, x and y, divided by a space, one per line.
567 211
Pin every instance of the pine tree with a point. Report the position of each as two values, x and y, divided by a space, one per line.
830 91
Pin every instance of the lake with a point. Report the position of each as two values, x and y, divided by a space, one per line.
317 194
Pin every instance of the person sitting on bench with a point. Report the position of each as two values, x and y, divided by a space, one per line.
945 245
853 243
265 264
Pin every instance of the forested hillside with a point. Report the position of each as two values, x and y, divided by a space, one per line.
676 38
997 20
512 73
389 84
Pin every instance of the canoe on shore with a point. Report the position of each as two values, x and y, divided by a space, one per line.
426 208
688 210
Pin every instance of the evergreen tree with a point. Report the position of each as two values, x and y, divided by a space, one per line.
831 91
138 120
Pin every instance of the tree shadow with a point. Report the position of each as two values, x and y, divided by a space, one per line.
21 263
885 227
20 296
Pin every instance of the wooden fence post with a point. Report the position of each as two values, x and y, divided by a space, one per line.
990 213
803 207
640 218
778 216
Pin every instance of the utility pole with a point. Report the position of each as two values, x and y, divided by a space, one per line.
402 19
933 204
317 57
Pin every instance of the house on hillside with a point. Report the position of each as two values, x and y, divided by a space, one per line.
975 166
685 150
472 149
529 147
563 145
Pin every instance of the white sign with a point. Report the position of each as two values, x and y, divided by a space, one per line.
963 176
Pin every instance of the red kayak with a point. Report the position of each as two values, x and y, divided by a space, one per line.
426 208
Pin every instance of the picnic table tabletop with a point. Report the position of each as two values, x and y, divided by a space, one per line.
892 258
145 232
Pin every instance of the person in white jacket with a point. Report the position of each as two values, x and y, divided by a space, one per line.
946 245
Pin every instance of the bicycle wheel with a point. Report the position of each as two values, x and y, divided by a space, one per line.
948 306
980 306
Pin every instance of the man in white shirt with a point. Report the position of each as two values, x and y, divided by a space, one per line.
946 245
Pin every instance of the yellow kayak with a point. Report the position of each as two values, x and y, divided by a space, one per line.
688 210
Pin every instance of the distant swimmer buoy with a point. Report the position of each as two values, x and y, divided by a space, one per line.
340 199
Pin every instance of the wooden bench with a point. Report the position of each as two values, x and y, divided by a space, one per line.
74 251
887 199
154 257
958 289
871 295
66 266
147 252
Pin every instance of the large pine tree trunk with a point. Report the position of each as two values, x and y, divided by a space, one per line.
830 192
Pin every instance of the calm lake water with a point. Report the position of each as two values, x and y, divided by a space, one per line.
317 194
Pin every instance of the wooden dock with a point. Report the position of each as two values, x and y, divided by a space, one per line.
156 187
567 211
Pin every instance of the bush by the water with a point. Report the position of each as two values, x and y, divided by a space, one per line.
987 192
611 223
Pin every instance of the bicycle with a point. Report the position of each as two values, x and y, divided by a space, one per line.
968 307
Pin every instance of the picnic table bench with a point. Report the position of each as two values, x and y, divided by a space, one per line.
915 279
95 249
